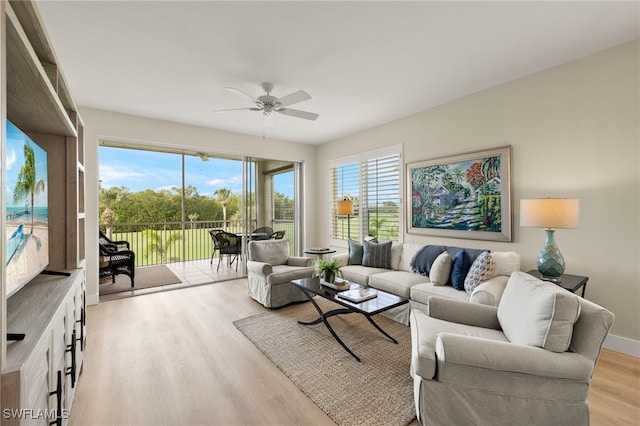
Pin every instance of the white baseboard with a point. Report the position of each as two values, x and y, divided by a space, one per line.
92 299
623 345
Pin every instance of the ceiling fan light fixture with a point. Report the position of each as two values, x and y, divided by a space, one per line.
268 103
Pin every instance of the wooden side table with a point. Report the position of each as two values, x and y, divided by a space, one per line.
567 281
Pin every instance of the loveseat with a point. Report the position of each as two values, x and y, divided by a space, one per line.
395 272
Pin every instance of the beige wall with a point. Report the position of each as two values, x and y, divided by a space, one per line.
105 125
574 132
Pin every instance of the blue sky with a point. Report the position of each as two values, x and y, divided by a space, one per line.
15 159
139 170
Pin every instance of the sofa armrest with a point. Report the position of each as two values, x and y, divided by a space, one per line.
490 291
299 261
342 258
456 350
261 268
463 313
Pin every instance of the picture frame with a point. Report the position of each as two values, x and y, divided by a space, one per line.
461 196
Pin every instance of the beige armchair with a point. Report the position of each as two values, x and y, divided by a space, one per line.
528 361
271 269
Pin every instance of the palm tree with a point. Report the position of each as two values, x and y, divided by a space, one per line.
223 195
27 186
192 218
109 198
155 244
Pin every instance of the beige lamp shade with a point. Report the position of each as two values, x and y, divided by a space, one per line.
550 213
345 207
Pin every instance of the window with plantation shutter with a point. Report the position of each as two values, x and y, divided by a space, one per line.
373 182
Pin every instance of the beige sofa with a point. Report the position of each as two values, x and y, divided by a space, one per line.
402 281
528 361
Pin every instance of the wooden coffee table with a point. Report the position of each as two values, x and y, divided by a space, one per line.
381 303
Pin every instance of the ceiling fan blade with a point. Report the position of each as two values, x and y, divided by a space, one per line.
294 98
239 109
241 94
297 113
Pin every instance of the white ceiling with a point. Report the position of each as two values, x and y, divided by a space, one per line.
364 63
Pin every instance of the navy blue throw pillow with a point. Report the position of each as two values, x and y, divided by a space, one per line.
460 268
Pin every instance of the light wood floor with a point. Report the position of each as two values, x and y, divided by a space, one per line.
175 358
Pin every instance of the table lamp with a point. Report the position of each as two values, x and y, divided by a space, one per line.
552 214
345 208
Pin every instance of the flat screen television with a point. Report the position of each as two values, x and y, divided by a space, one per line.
27 209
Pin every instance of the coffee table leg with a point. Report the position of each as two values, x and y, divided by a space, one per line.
380 329
323 319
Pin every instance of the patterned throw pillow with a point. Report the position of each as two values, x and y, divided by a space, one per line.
377 255
480 271
441 269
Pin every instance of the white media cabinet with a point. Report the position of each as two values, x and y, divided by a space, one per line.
39 374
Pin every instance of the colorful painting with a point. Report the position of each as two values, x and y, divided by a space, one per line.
463 196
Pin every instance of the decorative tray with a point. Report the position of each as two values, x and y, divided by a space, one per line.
338 285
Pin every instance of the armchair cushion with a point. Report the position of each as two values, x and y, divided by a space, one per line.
538 313
299 261
274 252
283 274
424 332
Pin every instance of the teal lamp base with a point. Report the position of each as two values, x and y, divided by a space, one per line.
550 261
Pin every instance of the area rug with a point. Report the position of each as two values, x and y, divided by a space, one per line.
376 391
146 277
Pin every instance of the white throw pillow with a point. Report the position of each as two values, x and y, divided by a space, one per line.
441 269
538 313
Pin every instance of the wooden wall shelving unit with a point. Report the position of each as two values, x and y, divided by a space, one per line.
35 97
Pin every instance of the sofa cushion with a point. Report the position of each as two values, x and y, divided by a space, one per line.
459 269
274 252
396 253
480 271
377 255
360 274
396 282
538 313
355 253
421 292
408 251
505 262
440 272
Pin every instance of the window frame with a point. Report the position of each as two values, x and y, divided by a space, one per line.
361 159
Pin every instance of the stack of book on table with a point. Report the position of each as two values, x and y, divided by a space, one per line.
358 295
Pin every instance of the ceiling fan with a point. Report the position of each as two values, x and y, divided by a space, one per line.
268 103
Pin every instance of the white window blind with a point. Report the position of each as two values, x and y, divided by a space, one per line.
373 181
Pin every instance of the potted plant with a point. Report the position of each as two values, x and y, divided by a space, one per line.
327 270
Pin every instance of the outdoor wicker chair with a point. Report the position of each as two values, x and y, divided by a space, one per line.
115 260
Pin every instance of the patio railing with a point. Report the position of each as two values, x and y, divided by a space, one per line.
163 242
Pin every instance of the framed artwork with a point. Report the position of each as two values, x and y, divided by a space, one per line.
461 196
